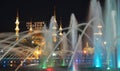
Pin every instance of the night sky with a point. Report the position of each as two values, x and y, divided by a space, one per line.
40 10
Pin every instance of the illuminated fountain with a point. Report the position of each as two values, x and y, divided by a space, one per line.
55 48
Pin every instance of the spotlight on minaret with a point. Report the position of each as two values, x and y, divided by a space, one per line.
17 26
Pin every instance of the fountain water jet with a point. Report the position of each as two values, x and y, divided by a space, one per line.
110 32
95 11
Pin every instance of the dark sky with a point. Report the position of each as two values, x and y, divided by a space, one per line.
40 10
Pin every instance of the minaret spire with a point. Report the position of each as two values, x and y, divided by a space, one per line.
17 26
17 16
54 11
55 14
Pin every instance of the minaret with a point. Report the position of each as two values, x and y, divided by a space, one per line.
30 29
17 26
54 28
60 34
99 30
60 29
